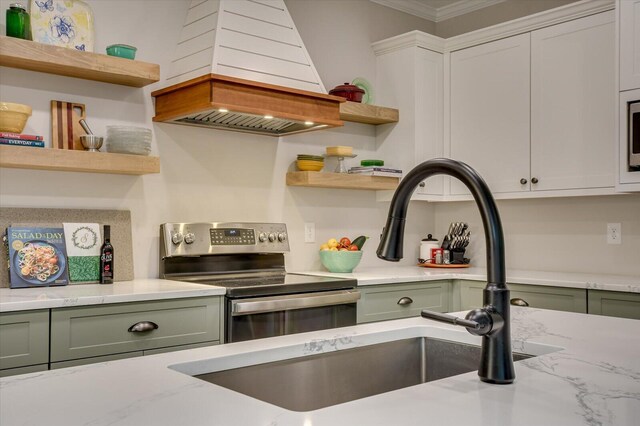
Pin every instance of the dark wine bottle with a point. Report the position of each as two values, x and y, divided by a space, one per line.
106 258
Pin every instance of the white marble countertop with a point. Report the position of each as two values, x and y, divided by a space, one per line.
403 274
587 373
22 299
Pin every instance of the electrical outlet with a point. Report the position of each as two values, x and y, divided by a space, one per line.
309 232
614 233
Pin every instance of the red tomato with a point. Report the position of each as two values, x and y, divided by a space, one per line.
353 247
345 242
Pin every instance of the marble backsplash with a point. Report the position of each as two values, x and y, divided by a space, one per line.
120 221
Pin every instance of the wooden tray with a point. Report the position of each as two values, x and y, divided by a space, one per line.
444 265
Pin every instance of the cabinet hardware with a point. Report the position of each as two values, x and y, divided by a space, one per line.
143 326
534 180
405 301
516 301
422 184
523 181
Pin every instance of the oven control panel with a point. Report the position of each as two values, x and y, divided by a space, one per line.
194 239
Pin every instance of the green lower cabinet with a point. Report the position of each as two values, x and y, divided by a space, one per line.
127 328
393 301
537 296
614 304
24 339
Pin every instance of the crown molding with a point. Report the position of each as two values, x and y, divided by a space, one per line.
533 22
522 25
437 14
411 39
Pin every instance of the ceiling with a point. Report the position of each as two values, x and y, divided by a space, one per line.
437 10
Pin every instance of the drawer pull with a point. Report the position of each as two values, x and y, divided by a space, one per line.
516 301
405 301
143 326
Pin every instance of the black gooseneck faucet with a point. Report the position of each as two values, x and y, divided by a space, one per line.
492 321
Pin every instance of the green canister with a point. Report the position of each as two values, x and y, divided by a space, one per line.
18 22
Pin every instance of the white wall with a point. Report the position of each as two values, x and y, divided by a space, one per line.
557 234
210 175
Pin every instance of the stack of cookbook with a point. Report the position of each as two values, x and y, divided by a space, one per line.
19 139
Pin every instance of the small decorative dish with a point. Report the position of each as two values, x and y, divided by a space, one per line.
122 51
444 265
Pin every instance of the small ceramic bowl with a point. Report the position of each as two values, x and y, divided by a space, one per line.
91 143
340 261
13 117
310 165
122 51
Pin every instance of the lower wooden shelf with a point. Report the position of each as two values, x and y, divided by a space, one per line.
18 157
341 181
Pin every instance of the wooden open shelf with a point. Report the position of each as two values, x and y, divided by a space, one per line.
341 181
33 56
368 114
19 157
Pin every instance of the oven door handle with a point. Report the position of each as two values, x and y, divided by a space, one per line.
294 301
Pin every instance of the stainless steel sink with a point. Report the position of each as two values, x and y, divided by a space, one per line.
317 381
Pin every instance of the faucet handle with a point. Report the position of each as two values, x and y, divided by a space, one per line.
477 321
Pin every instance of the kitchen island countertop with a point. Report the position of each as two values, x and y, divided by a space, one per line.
22 299
588 373
403 274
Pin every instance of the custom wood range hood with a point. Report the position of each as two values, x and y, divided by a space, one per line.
241 65
230 103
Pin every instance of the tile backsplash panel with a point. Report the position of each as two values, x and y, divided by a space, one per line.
120 221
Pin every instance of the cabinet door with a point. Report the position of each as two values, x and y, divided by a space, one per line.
490 109
573 104
614 304
393 301
629 12
24 338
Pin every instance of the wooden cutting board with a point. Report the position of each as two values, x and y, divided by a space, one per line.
65 125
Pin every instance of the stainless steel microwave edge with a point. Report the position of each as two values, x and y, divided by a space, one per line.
634 133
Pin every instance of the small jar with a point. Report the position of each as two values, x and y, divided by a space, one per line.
18 22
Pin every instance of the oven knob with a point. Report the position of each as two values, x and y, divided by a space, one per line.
189 238
282 237
262 237
272 237
177 238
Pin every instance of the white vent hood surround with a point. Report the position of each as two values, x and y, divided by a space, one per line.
241 65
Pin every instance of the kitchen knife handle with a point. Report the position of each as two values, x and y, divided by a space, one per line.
143 326
405 301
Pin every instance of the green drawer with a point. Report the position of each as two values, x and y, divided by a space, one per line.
614 304
385 302
537 296
92 331
24 338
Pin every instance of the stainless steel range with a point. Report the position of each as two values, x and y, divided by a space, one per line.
262 299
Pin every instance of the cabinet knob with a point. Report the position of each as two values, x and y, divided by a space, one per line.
405 301
523 181
516 301
422 184
143 326
534 180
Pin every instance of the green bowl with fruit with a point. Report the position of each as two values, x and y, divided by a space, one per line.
340 261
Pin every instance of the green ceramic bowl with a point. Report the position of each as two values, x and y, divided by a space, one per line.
122 51
340 261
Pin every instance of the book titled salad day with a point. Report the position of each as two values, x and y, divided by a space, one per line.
37 257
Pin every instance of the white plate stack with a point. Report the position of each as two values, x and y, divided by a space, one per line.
128 140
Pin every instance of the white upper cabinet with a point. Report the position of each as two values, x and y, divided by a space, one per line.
490 112
573 104
629 44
